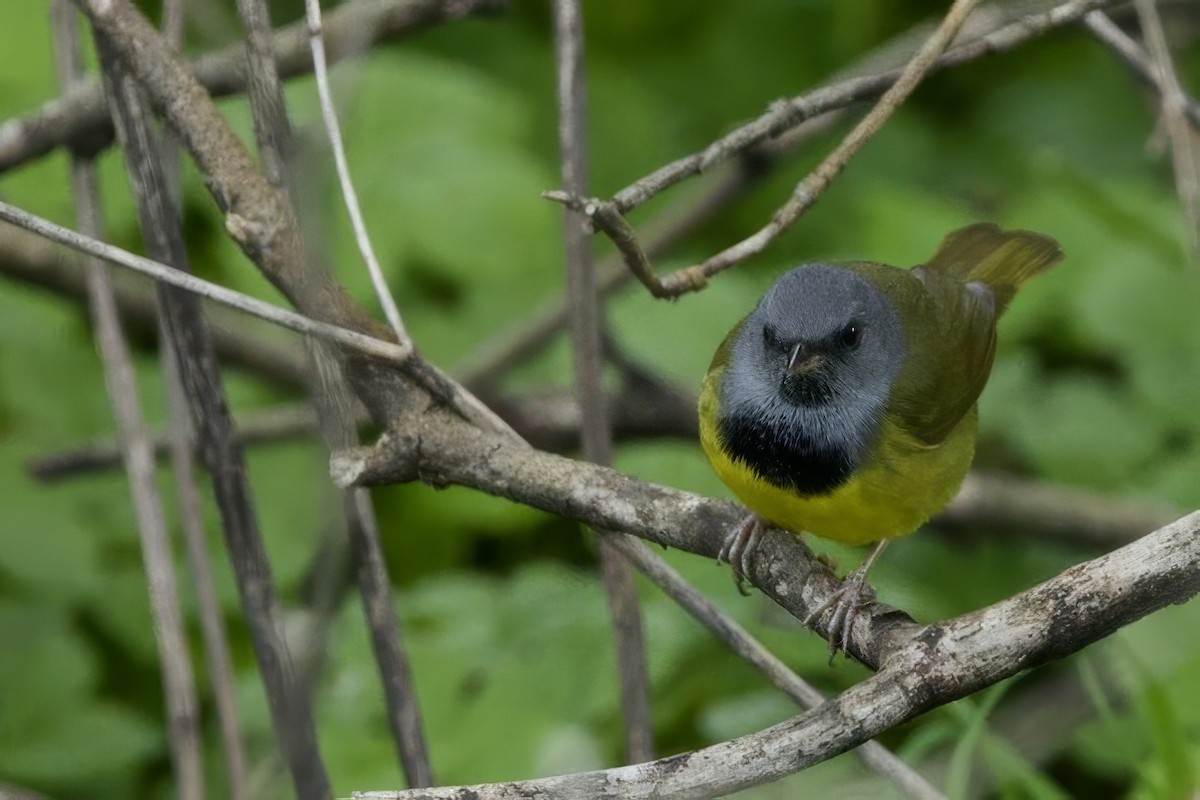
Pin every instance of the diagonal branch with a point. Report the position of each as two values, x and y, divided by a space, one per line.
378 348
940 663
787 114
442 452
32 260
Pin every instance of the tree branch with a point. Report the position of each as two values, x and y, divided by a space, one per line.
32 260
940 663
585 317
608 215
79 118
290 706
178 680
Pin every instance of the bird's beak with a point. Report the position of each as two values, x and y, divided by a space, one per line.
802 360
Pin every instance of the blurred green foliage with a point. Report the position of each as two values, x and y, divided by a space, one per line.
451 138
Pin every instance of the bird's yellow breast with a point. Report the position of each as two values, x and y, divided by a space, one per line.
898 487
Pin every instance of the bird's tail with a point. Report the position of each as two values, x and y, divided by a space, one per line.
1002 260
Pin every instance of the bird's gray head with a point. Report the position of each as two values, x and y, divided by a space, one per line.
809 375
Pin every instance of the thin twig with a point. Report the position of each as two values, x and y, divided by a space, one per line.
312 11
1184 142
179 683
585 314
607 216
290 706
389 351
786 114
26 257
212 624
1136 58
80 119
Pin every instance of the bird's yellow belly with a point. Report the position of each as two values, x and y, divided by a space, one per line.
899 487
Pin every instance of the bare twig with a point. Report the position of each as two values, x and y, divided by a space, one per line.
289 704
312 10
28 258
378 348
1135 56
608 217
179 683
786 114
585 315
1185 144
80 118
212 624
941 663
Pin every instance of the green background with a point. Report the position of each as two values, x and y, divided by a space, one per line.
451 138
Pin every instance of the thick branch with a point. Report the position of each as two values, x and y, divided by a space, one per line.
941 663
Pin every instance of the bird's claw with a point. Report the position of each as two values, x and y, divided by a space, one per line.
739 546
854 594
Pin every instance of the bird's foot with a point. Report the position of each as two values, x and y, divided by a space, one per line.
844 604
739 546
854 593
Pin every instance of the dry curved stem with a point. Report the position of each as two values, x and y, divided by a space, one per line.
312 10
80 119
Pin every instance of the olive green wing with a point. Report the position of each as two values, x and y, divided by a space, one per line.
951 323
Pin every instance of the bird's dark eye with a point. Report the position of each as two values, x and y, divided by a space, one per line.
770 337
851 334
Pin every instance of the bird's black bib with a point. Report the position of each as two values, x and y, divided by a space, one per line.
786 457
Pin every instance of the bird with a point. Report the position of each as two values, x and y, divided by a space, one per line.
844 404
